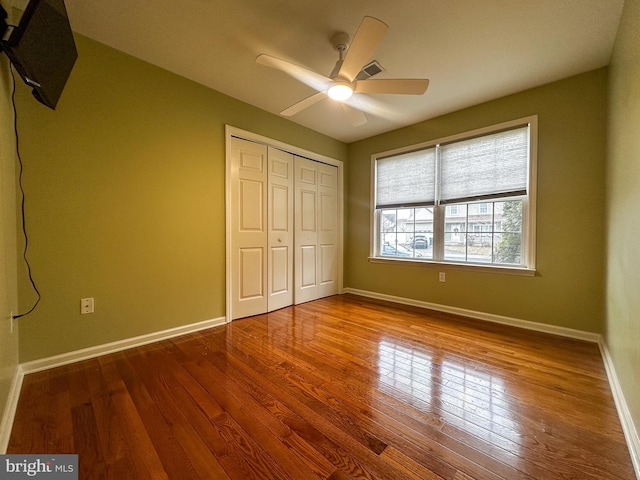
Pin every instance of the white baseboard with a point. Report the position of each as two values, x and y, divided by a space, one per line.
10 409
98 350
629 428
489 317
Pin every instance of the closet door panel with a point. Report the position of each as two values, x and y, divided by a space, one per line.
328 230
248 228
280 227
327 264
279 266
307 263
251 273
306 237
316 230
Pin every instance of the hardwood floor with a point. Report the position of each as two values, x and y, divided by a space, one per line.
337 388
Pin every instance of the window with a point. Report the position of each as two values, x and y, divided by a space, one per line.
467 199
407 232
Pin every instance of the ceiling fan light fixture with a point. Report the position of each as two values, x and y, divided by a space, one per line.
340 91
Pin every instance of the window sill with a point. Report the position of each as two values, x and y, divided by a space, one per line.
472 267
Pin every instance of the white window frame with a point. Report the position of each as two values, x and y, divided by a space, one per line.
528 206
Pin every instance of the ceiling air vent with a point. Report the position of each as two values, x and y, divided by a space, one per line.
369 70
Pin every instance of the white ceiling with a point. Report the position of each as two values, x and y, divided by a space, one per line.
471 50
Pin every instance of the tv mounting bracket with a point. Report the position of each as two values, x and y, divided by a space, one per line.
6 29
4 26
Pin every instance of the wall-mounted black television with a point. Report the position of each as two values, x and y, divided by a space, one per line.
42 49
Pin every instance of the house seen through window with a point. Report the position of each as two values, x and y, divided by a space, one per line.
466 199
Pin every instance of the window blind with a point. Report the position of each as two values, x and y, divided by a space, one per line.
490 166
406 180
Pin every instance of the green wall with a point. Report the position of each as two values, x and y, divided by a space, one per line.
8 252
567 290
622 330
125 200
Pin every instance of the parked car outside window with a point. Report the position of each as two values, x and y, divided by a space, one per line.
421 241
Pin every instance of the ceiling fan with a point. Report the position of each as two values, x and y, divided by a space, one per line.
341 83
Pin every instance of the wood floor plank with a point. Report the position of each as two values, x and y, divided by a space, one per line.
85 435
409 466
339 388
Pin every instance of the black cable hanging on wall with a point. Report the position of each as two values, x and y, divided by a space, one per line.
22 203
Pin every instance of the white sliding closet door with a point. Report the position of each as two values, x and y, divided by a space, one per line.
316 236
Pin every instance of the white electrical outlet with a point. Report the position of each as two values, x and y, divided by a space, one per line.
86 305
442 277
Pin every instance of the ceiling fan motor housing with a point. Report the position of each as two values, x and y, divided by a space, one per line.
340 42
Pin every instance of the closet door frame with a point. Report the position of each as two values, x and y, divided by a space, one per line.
231 132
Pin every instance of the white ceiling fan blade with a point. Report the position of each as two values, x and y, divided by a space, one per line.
401 86
302 104
355 115
365 41
308 77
